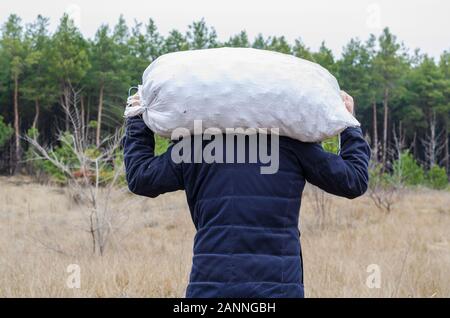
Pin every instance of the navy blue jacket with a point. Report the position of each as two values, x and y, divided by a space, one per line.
247 242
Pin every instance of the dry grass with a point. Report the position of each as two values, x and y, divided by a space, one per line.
42 231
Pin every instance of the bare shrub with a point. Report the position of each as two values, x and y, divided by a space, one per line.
322 206
92 176
383 190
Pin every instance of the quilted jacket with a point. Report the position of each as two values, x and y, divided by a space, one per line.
248 241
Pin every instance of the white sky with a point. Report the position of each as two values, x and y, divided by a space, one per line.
423 24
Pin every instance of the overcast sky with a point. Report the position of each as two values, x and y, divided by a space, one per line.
423 24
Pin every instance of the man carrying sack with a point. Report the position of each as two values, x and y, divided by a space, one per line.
248 242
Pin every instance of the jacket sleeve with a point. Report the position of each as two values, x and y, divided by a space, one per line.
345 174
148 175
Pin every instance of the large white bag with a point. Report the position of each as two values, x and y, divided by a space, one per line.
242 88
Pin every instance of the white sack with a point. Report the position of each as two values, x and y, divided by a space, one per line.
247 88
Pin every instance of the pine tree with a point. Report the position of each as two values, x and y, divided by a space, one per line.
15 50
200 36
69 59
426 89
175 42
388 65
38 87
354 76
444 66
325 58
260 42
279 44
239 40
103 57
301 50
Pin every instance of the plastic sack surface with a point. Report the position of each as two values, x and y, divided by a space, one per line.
242 88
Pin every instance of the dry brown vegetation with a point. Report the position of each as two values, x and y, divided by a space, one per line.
42 231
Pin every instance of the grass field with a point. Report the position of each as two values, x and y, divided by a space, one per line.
43 231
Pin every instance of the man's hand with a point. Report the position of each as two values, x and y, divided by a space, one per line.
134 100
348 101
134 108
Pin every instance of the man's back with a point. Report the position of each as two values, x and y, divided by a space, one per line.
247 242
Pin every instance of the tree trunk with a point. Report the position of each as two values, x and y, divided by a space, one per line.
385 124
36 113
414 144
432 142
66 101
16 122
88 117
446 154
375 131
99 115
83 123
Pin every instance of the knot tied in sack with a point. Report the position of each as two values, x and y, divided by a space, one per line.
135 105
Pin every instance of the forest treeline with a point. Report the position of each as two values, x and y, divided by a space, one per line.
402 96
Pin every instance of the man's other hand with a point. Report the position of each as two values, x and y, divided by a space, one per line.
134 100
348 101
